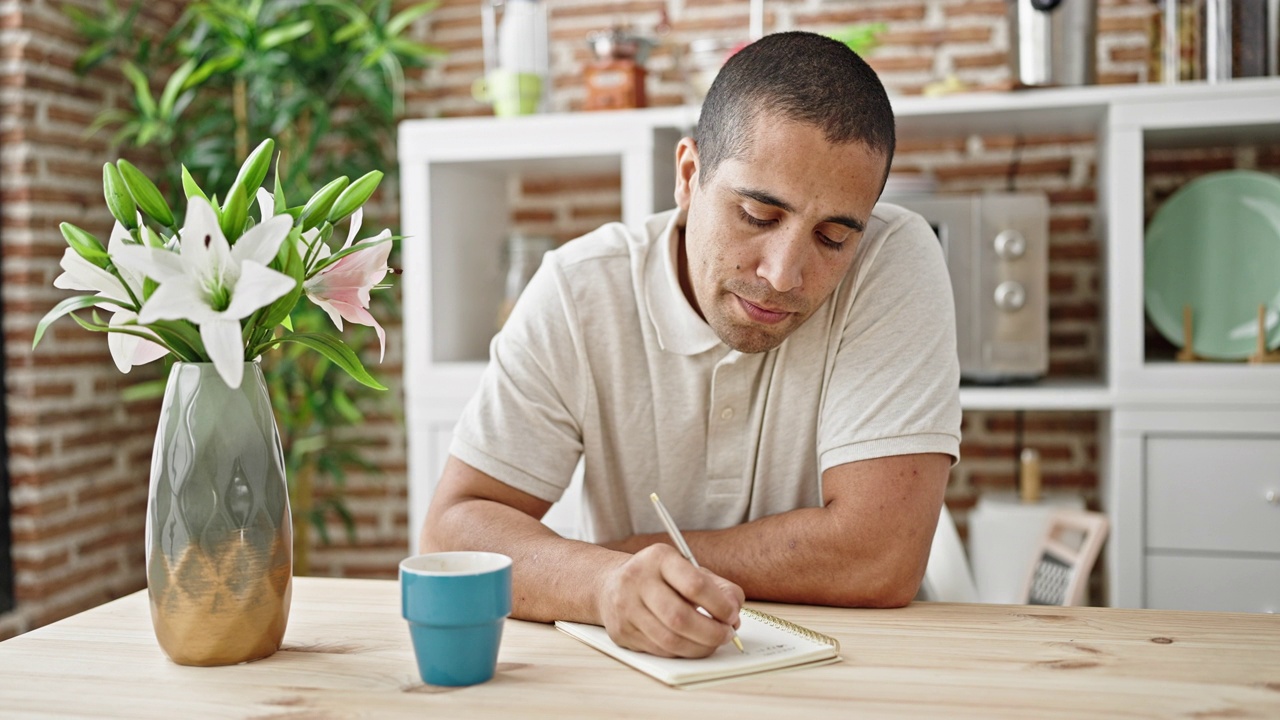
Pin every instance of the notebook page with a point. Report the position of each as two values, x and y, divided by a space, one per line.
767 648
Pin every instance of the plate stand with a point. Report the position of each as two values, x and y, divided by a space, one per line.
1187 353
1261 355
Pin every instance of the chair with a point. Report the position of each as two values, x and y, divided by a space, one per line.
1066 555
947 577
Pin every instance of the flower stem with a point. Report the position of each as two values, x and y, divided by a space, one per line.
240 111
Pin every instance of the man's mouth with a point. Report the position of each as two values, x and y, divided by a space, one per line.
762 314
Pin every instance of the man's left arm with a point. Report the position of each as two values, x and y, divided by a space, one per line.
866 547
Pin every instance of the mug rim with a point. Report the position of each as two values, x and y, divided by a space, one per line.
489 562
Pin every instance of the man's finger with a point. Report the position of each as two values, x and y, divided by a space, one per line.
702 588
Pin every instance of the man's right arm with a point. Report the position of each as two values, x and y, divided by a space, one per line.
646 601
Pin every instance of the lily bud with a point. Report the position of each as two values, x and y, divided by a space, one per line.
313 213
231 218
85 244
145 193
354 196
118 199
254 170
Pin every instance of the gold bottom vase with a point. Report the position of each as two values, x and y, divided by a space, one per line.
219 540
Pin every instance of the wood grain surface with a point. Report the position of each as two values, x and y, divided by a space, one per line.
346 654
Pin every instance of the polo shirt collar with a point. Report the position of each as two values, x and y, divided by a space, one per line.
679 328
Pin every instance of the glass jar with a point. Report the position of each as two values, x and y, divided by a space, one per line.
523 257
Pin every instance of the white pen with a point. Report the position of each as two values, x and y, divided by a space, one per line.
683 547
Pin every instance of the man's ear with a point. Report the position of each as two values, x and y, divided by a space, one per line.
686 171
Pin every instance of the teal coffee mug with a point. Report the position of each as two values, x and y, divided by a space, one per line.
456 604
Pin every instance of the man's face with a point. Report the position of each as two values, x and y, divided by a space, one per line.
771 233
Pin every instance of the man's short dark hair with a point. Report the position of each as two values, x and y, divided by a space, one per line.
802 77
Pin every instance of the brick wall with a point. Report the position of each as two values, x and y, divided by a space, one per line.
79 456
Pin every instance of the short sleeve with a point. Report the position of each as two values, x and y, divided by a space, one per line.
894 384
523 426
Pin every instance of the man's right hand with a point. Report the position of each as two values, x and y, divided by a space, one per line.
650 603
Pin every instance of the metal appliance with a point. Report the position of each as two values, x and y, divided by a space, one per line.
997 251
1053 42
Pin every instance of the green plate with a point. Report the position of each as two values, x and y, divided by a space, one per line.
1215 245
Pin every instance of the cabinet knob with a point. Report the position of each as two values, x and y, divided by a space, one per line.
1010 296
1010 245
1273 497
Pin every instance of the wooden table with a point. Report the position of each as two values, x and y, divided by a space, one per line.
347 654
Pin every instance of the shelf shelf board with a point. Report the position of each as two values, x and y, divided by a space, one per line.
1046 395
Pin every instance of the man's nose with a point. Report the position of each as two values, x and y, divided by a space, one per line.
781 261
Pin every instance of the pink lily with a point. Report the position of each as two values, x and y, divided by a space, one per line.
342 289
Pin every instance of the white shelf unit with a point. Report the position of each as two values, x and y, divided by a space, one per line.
455 175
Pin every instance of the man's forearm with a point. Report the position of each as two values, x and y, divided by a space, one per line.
805 556
553 578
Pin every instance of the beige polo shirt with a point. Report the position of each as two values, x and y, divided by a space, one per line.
604 358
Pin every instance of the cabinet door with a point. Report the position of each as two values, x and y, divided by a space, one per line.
1211 493
1228 584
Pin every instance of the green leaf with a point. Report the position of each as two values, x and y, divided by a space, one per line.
347 409
233 215
189 185
70 305
332 349
281 35
119 201
146 390
291 265
85 244
177 81
224 63
145 193
402 19
313 213
281 205
181 337
141 88
354 196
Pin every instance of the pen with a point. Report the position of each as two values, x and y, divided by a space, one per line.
678 539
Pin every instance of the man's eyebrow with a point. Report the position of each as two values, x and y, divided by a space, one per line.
765 198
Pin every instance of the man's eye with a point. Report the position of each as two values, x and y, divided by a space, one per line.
828 242
753 220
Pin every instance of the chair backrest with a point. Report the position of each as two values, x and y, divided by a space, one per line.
1064 558
947 577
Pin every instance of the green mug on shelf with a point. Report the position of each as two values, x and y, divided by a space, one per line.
511 93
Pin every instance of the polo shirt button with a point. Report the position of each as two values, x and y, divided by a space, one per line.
726 413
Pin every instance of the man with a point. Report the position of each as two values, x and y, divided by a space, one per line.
775 358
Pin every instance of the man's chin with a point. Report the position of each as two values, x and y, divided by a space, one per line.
749 340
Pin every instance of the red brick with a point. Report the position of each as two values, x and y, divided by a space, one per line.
569 183
1072 195
1045 422
983 60
1073 311
910 63
1073 368
878 13
1118 78
1073 251
1052 166
54 560
610 10
736 22
42 508
1115 24
965 8
41 589
1070 224
602 213
531 215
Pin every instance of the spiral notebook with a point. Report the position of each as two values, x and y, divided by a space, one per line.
771 643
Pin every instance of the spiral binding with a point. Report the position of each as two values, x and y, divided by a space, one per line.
791 627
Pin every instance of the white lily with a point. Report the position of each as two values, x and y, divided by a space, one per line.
342 289
212 284
80 274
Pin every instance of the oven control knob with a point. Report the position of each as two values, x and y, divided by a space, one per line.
1010 296
1010 245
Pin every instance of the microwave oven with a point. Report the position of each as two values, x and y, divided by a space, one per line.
997 251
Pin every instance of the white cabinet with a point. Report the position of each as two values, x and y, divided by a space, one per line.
454 203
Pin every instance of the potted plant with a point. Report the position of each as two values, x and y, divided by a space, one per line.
327 80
